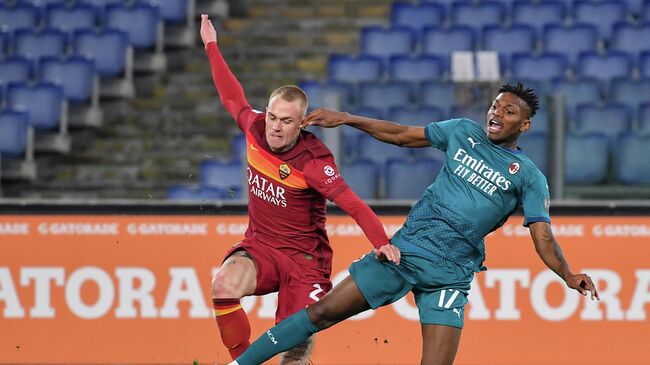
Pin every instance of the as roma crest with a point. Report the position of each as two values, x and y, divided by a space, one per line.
284 171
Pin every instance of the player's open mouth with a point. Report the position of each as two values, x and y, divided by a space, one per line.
494 126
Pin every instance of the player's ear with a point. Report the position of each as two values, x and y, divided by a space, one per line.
525 125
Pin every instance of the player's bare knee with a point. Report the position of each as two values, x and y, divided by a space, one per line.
319 314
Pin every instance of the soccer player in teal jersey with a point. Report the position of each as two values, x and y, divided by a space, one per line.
486 177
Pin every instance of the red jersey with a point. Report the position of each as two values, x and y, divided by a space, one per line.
287 190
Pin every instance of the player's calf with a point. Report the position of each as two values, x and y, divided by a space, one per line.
299 355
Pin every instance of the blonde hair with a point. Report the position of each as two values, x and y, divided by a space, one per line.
292 93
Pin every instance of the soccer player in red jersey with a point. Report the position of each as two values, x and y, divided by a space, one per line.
290 174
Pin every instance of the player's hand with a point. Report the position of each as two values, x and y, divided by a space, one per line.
208 33
388 253
583 284
327 118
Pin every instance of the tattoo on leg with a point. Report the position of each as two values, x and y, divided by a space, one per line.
298 355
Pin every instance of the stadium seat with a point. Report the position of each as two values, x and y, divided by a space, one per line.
643 127
407 179
383 96
632 39
602 14
417 16
604 67
200 193
611 120
219 174
107 48
363 177
349 69
586 168
172 11
36 45
139 21
22 16
644 64
442 42
332 95
645 12
476 113
350 135
42 102
545 67
14 69
630 92
70 19
477 15
385 43
76 76
631 159
507 41
540 121
570 41
415 70
379 152
538 14
578 92
420 116
534 144
4 43
439 94
635 7
13 133
238 148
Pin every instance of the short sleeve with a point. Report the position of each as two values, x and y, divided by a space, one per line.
438 133
323 176
536 199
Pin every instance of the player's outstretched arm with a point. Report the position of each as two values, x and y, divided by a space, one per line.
230 90
383 130
550 252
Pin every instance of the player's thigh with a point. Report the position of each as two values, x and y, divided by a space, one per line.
236 278
303 286
439 344
381 283
445 306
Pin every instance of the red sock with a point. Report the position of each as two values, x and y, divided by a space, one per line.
233 325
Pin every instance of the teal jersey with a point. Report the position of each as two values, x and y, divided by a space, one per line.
478 188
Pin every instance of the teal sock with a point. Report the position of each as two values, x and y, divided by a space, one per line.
286 335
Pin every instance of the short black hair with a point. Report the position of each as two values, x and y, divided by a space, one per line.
527 95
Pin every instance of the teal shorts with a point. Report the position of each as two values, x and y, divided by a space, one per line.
440 286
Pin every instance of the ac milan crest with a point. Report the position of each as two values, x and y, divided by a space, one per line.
514 168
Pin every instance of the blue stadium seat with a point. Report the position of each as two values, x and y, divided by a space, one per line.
578 92
4 43
34 46
417 16
349 69
184 192
442 42
324 94
611 120
632 39
644 64
71 19
645 12
586 168
238 148
479 14
379 152
219 174
384 43
540 121
643 127
415 70
385 95
631 159
13 132
139 21
406 179
172 11
350 135
570 41
477 113
75 75
538 14
420 116
507 41
439 94
15 69
42 102
545 67
602 14
23 16
604 67
534 144
363 177
107 48
630 92
635 7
